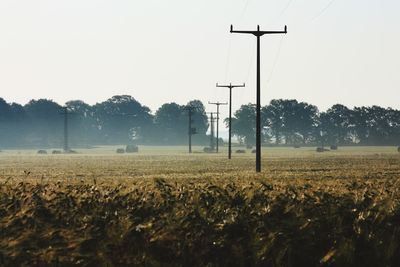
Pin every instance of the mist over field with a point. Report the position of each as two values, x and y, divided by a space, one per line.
124 120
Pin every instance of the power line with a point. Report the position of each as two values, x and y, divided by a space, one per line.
323 10
286 8
275 60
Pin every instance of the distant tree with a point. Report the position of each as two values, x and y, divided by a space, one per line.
273 119
82 123
305 123
337 123
45 122
171 122
290 119
200 120
244 124
122 119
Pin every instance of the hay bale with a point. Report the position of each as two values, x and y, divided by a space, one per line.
296 146
70 152
120 151
254 151
56 152
132 149
240 151
208 150
321 149
398 149
334 147
42 152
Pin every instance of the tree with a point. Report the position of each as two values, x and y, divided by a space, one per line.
290 119
82 123
122 119
45 122
244 124
337 123
171 122
199 116
272 117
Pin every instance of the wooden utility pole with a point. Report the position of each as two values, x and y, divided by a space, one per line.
212 132
230 86
66 146
217 104
191 130
258 34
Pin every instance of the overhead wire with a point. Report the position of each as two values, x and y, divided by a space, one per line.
275 60
323 10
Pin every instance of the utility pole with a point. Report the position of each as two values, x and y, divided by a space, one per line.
191 130
66 114
217 104
212 120
258 34
66 147
230 86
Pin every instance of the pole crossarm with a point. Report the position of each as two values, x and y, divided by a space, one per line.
231 86
258 34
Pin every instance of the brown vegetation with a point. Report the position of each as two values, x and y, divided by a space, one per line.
178 211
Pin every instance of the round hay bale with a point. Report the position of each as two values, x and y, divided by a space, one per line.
241 151
56 152
254 151
120 151
296 146
208 150
42 152
398 149
334 147
132 149
321 149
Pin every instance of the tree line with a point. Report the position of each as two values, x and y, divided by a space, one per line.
122 120
118 120
289 122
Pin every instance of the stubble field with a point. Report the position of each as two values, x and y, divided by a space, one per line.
163 207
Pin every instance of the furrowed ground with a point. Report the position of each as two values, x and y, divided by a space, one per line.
165 208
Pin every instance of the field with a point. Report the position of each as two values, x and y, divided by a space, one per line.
163 207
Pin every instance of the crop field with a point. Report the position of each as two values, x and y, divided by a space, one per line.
163 207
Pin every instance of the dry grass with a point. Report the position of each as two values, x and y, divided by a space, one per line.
305 209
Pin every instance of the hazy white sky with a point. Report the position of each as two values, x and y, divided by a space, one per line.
163 51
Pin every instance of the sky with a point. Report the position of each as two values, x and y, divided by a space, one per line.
159 51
